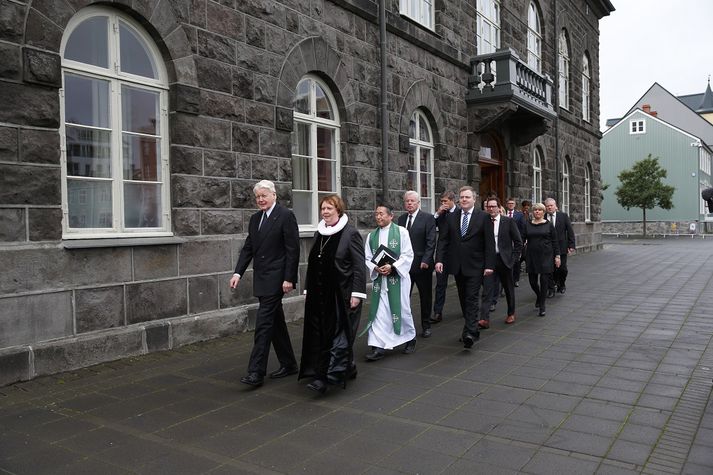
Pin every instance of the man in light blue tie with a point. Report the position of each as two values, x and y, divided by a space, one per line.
465 248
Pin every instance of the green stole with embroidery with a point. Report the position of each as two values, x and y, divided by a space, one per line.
393 282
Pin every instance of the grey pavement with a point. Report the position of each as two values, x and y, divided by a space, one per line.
616 379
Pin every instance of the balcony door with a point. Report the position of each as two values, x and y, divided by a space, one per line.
492 167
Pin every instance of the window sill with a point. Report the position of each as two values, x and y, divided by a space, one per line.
121 242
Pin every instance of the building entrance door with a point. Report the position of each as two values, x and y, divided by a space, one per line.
492 168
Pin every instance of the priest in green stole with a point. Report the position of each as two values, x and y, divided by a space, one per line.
390 321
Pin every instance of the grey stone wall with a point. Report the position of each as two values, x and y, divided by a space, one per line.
233 67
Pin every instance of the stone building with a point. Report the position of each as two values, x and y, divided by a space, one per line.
132 131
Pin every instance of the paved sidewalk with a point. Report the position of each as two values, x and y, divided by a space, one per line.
616 379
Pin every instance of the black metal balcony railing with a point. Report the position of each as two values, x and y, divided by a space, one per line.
502 76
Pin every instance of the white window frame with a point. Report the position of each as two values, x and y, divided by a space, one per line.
637 126
314 122
428 199
587 194
563 70
586 89
534 38
116 79
487 21
565 185
420 11
537 175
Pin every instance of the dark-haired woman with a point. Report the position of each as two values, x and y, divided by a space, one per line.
335 288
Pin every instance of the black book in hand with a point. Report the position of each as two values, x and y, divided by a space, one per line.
383 255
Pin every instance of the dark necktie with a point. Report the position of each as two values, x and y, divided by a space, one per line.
510 214
408 223
464 225
262 220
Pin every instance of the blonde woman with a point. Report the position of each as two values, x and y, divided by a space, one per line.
543 253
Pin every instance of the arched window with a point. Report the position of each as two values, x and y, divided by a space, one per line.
586 85
420 159
534 38
588 192
563 70
565 185
488 26
315 149
537 175
114 129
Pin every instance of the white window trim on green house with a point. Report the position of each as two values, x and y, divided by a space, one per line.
637 126
124 190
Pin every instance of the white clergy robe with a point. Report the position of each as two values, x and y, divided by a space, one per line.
381 333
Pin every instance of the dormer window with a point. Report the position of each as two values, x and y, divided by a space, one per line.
637 126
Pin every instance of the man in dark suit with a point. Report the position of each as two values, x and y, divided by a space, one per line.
519 218
448 205
565 240
273 244
508 245
466 247
421 228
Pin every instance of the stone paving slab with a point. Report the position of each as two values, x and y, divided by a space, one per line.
615 380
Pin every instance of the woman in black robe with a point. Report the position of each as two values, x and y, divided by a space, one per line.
542 253
335 288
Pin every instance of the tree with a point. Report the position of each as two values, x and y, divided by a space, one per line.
641 187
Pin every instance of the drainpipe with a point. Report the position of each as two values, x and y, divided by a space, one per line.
383 103
557 107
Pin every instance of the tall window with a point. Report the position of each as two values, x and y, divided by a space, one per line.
565 185
488 26
586 88
420 159
588 192
563 70
537 175
114 129
420 11
315 149
534 38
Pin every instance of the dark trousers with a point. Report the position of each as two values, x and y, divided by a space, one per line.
270 327
423 280
441 286
559 276
468 295
502 276
541 289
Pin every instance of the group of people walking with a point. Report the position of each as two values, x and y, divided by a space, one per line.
482 249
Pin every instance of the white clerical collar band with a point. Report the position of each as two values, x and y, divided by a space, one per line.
325 230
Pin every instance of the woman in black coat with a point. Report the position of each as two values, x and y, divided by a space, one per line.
542 253
335 289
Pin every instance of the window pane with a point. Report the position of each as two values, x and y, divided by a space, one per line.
300 139
142 205
425 181
302 97
88 42
88 152
300 173
135 56
412 127
86 101
325 142
141 158
412 157
425 160
302 206
325 175
411 183
89 204
427 205
139 110
324 108
423 130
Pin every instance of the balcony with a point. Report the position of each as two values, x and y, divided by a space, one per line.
502 88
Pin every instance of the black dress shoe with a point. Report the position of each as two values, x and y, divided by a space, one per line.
426 333
410 347
492 308
550 293
376 354
252 379
352 372
318 385
283 371
541 313
562 289
517 284
468 340
436 318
